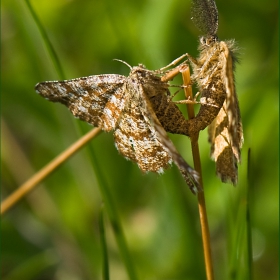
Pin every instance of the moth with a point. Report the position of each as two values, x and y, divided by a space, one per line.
213 71
137 108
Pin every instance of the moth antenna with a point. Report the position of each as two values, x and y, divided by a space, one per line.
130 67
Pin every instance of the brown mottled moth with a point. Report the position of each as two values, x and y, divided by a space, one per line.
214 75
129 106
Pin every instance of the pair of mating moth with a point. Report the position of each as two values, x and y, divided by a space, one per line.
139 110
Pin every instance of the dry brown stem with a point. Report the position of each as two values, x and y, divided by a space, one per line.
197 166
38 177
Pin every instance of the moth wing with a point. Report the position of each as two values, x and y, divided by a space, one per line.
94 99
189 174
136 138
154 149
221 148
225 132
232 106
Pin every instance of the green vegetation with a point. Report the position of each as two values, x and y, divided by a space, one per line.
54 232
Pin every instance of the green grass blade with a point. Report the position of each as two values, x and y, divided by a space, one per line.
105 264
114 218
108 200
47 42
248 220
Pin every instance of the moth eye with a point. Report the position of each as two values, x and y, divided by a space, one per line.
202 40
210 40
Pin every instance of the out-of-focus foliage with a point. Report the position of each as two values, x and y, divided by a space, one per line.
53 233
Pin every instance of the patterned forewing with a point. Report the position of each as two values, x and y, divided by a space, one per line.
221 148
97 100
225 133
135 135
164 144
232 107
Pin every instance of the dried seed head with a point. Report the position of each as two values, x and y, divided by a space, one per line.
205 16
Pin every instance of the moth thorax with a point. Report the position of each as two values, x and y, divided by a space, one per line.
154 89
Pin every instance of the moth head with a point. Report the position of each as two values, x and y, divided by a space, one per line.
208 40
141 72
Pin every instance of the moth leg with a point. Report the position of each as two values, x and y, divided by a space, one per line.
169 96
171 74
196 95
173 95
185 86
187 101
192 60
173 63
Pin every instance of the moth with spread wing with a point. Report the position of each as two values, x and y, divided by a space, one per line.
136 107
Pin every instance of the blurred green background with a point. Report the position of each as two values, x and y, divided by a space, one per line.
53 233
